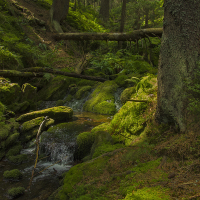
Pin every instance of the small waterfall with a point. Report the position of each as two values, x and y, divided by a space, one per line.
117 95
77 104
58 146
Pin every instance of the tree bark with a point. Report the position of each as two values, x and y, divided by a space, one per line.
132 36
179 55
58 12
123 16
104 10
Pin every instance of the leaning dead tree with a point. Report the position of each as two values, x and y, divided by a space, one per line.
131 36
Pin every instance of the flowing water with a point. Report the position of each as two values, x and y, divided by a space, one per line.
59 148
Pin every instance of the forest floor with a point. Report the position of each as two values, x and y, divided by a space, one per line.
180 153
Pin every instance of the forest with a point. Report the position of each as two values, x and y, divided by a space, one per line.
99 99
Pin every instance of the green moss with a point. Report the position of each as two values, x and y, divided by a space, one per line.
84 141
102 127
14 174
26 126
2 107
121 80
149 193
60 113
9 93
18 159
2 154
102 99
19 107
129 121
82 92
126 94
73 189
12 139
28 92
14 151
55 90
105 147
69 98
85 82
4 131
16 192
60 103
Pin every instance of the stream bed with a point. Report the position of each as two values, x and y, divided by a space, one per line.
60 159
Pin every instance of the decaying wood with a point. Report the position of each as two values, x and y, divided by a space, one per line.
131 36
15 73
54 71
37 148
39 72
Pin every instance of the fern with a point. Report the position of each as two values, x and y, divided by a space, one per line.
47 76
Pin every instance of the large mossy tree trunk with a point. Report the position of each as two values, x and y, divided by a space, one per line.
179 54
58 12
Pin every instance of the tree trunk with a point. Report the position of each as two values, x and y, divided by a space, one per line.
104 10
58 12
123 16
179 55
135 35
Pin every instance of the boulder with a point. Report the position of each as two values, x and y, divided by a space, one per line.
60 113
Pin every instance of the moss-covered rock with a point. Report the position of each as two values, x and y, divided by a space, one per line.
102 99
126 94
28 92
84 142
16 192
121 80
101 137
60 113
54 90
83 92
28 125
2 154
12 139
14 174
19 107
9 92
14 150
129 121
18 159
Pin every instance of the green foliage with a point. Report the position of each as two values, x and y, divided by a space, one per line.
136 13
13 174
9 60
112 63
16 192
83 20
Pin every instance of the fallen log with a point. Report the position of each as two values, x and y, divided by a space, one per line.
39 72
130 36
15 73
54 71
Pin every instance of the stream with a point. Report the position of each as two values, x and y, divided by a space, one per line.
60 150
